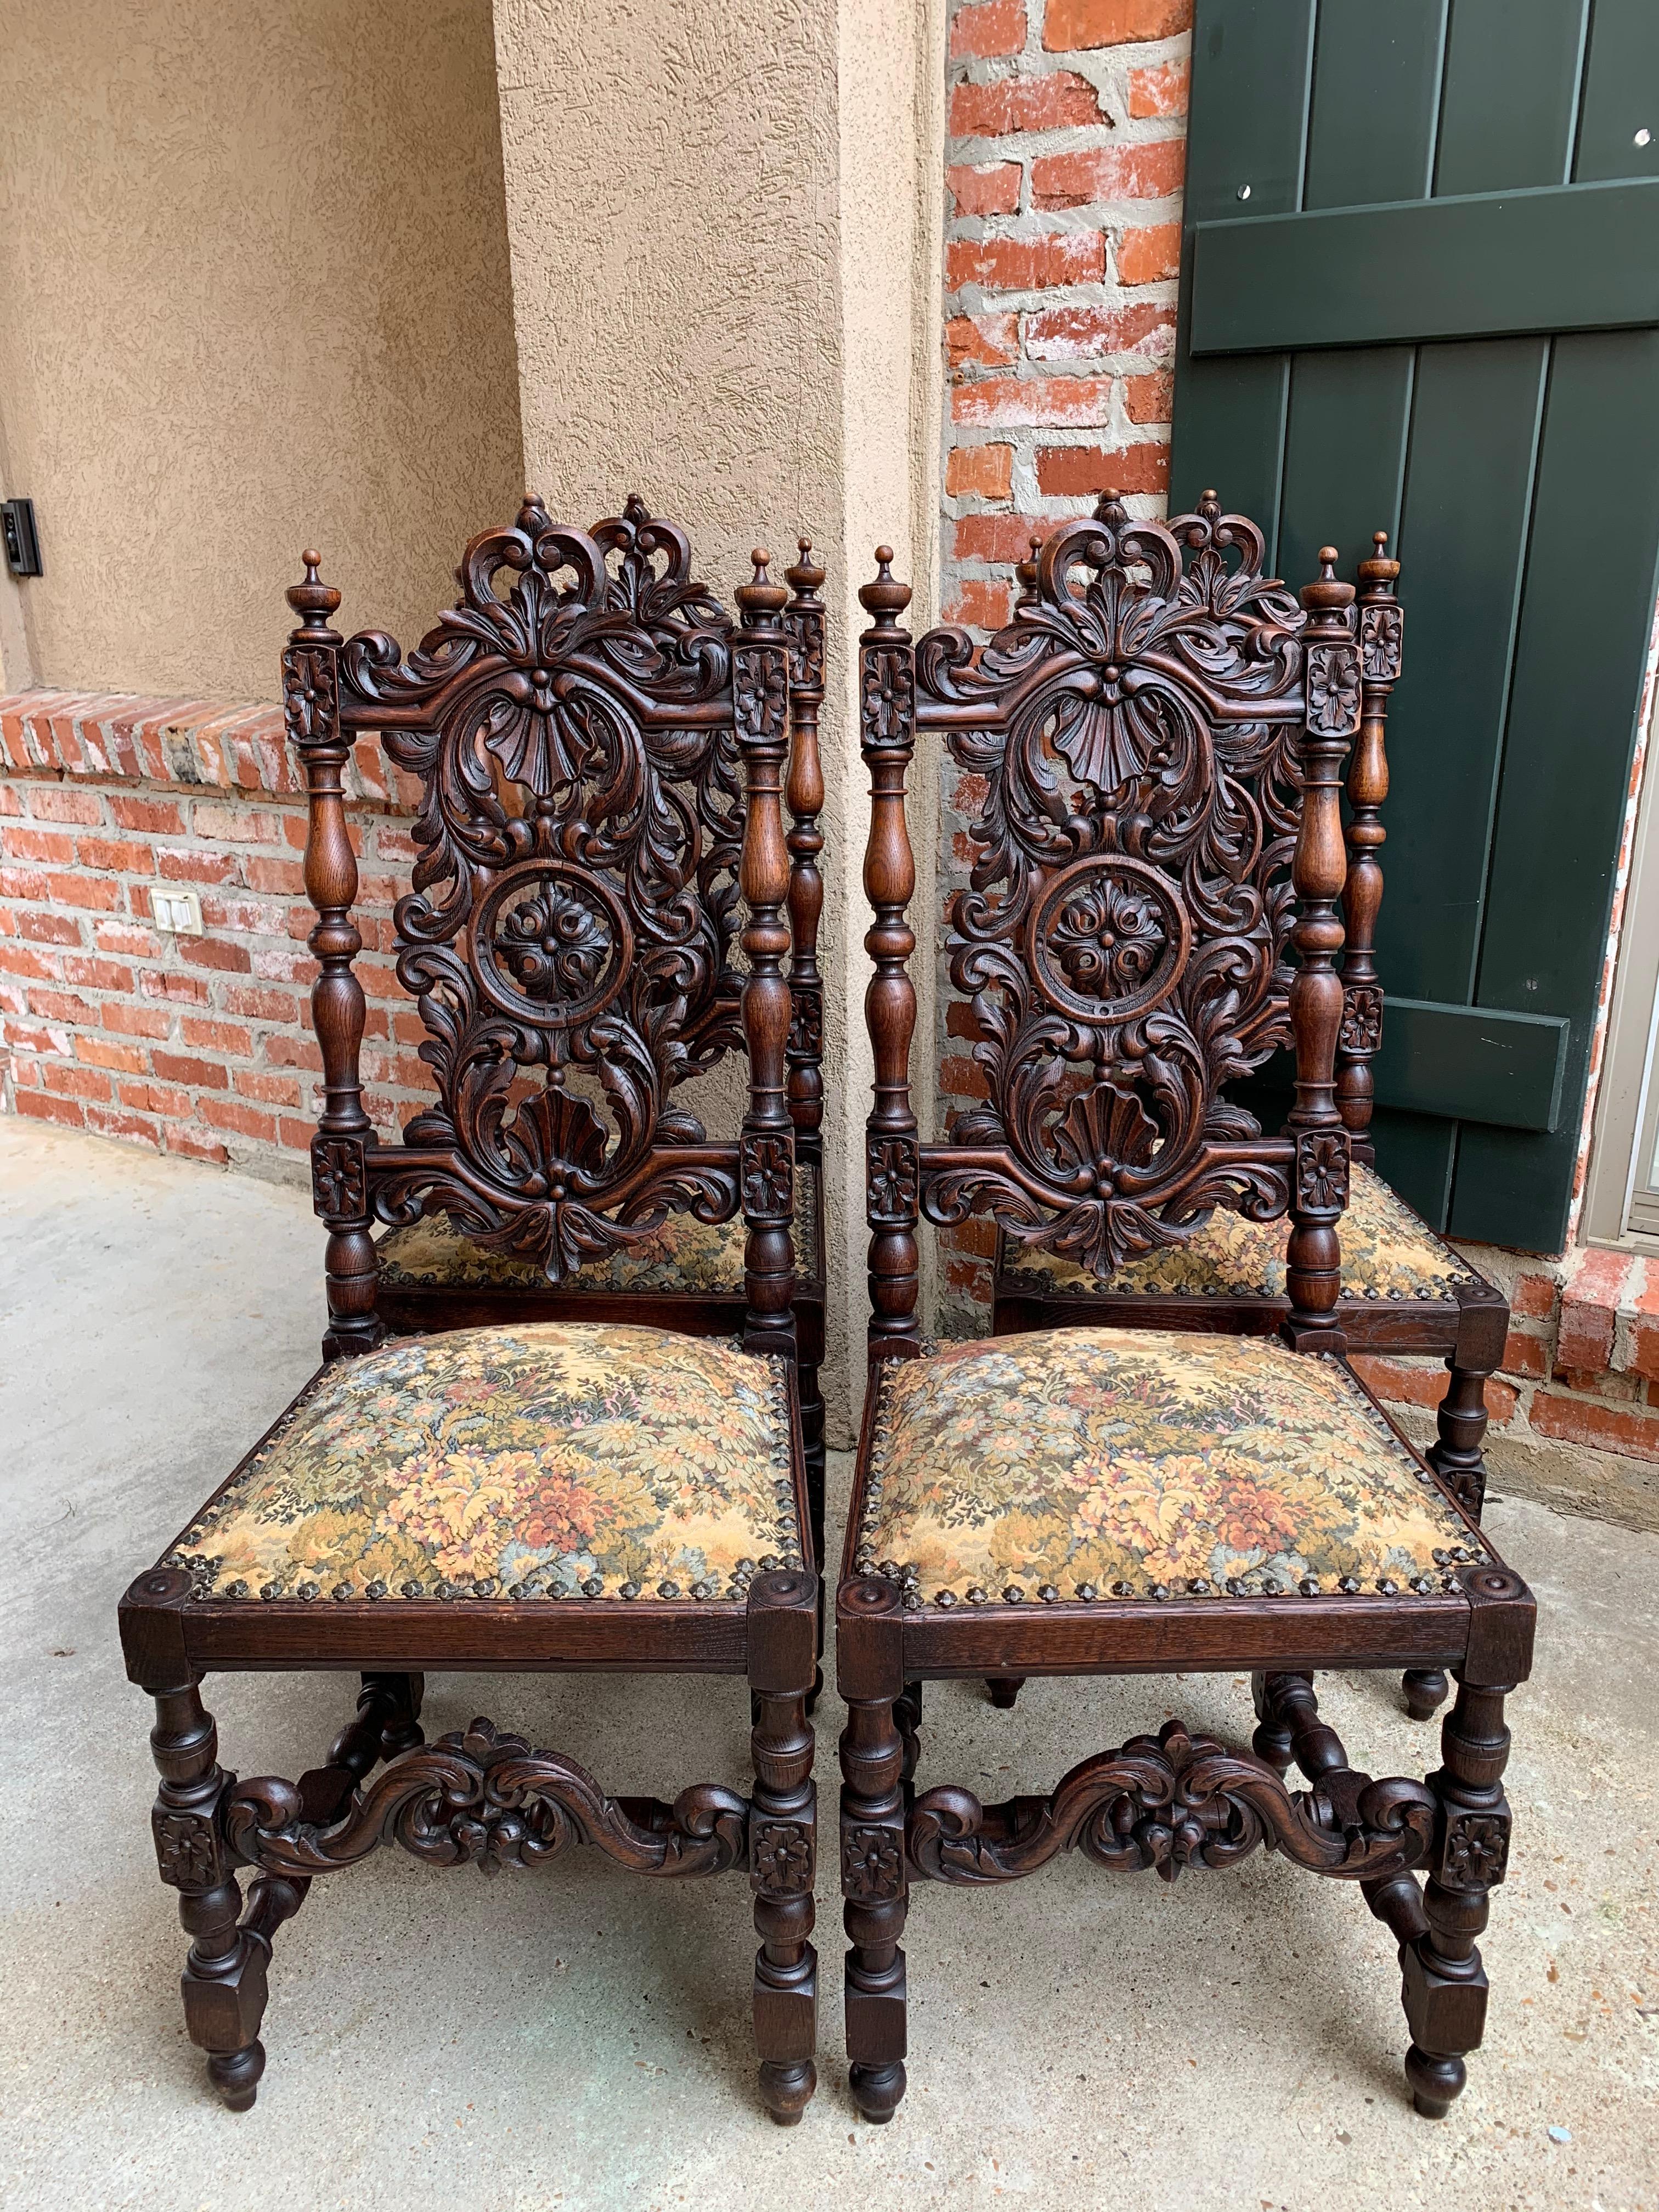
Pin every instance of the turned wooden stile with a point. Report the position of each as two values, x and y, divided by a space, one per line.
804 794
892 1161
1380 627
760 684
1320 1182
311 710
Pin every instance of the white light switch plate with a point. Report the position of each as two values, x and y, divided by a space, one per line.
178 912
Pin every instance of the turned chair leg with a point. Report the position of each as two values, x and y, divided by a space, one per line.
1457 1459
225 1980
907 1719
1426 1689
1443 1983
1456 1455
873 1876
783 1843
1004 1690
223 1984
1272 1740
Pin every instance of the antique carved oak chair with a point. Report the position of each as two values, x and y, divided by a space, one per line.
1404 1289
520 1474
1086 1500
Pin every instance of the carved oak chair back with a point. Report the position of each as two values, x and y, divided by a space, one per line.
1159 731
570 931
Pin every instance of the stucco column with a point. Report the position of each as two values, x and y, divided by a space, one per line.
724 226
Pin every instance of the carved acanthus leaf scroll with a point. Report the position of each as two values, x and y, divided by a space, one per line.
1123 936
574 907
1172 1800
485 1797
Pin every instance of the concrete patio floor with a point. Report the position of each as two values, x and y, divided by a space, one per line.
578 2038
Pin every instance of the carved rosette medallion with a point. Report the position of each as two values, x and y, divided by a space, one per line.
766 1169
1321 1169
311 694
187 1850
805 1022
780 1856
805 629
760 691
892 1179
1474 1850
872 1862
1333 690
1362 1018
1382 635
339 1182
888 698
551 945
1110 939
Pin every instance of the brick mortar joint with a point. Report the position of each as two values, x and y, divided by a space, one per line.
293 802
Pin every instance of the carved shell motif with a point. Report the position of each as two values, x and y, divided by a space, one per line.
1123 933
574 906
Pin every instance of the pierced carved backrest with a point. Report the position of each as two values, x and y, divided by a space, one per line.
1145 728
574 719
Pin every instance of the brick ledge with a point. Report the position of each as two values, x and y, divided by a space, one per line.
187 744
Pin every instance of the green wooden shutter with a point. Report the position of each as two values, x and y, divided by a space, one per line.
1420 293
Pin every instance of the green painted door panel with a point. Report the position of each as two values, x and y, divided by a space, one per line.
1265 61
1510 102
1506 1069
1487 264
1375 93
1518 475
1621 83
1587 612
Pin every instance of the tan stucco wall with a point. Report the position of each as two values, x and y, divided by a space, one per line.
253 295
724 227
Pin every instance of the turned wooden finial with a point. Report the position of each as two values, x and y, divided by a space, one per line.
1025 574
1109 509
1379 569
807 576
1209 505
761 599
313 601
886 598
1327 592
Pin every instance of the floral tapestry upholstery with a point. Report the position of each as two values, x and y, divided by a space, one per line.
684 1254
1094 1462
547 1460
1386 1253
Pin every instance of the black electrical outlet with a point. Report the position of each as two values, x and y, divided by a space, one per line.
22 539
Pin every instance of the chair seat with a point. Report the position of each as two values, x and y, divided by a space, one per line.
684 1255
541 1461
1386 1253
1093 1462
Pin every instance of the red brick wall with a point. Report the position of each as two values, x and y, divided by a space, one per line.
1574 1405
198 1045
1066 143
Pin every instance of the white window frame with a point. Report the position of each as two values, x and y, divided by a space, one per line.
1621 1190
